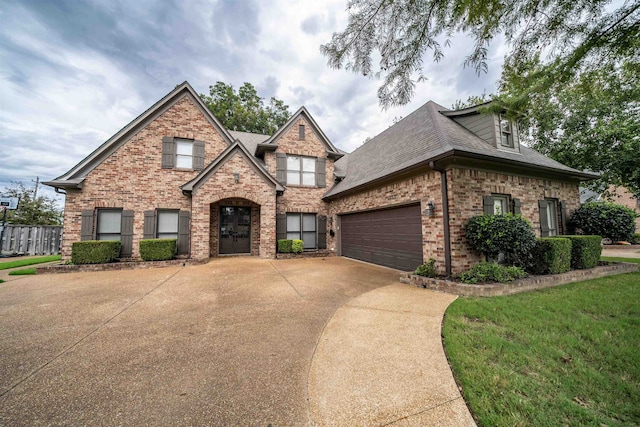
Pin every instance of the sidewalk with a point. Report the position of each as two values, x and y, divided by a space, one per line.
380 361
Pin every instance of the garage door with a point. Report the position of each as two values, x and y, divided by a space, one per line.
389 237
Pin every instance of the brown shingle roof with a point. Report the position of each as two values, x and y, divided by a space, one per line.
423 136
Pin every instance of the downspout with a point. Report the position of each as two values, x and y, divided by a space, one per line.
59 190
445 216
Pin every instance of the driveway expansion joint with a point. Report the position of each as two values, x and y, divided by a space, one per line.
415 414
286 280
78 342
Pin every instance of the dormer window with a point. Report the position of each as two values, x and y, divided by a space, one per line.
506 133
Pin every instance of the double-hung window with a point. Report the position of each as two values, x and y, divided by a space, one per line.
301 170
302 227
184 154
109 223
506 133
167 223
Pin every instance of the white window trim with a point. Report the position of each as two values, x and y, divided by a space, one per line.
159 212
99 234
179 141
300 171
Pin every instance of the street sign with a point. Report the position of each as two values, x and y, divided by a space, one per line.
9 203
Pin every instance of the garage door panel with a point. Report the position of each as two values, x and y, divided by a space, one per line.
390 237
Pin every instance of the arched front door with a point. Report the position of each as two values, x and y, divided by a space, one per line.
235 230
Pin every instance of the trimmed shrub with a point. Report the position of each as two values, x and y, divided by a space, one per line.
284 246
297 246
95 251
23 272
636 239
585 251
158 249
551 255
609 220
488 272
509 234
427 269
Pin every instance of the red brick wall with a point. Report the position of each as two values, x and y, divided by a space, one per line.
466 188
421 188
132 178
251 187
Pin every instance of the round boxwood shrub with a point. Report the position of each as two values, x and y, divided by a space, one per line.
508 234
609 220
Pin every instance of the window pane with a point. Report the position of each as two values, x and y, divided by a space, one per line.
184 162
505 125
109 221
309 164
167 235
184 147
293 222
293 236
293 178
108 236
167 222
293 163
309 239
309 222
309 178
498 207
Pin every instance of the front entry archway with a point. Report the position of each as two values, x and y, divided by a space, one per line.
235 230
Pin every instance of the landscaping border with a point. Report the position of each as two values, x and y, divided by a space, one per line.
308 254
523 285
114 266
620 247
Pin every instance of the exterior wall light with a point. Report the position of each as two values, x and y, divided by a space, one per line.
430 209
236 177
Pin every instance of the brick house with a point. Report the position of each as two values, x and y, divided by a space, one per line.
399 199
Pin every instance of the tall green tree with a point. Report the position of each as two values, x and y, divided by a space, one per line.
590 122
244 110
575 36
41 210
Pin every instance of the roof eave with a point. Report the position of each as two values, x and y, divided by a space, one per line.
263 147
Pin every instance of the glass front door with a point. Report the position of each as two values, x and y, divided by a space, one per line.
235 230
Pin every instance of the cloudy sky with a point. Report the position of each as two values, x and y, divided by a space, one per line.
72 73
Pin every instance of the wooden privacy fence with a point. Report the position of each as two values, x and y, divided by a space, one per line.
31 239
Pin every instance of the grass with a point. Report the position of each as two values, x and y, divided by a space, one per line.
561 356
23 272
30 261
619 259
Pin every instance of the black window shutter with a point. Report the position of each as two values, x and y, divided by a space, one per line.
487 205
544 223
168 152
281 226
184 219
149 225
86 229
517 204
281 168
322 232
321 175
198 155
563 217
126 233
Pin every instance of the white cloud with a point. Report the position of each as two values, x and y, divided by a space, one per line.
73 77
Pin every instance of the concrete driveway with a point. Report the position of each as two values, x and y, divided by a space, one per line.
238 341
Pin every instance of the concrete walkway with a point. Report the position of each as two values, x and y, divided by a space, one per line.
380 362
238 341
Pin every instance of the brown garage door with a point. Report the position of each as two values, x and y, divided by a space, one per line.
389 237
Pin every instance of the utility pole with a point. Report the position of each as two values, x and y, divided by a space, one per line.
35 192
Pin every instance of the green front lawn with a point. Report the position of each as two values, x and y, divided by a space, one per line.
619 259
30 261
555 357
23 272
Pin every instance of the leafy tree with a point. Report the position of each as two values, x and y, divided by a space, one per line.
32 211
591 122
609 220
244 110
575 35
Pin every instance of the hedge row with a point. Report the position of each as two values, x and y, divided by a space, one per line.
554 255
287 246
104 251
158 249
95 251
